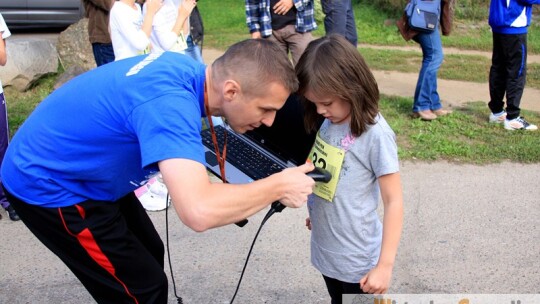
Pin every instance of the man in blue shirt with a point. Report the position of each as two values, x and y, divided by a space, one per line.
71 168
286 22
509 21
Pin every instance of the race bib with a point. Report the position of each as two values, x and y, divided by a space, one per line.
328 157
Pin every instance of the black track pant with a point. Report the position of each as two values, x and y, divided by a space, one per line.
508 73
337 288
112 247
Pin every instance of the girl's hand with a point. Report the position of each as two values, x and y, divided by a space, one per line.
308 223
152 6
187 6
377 280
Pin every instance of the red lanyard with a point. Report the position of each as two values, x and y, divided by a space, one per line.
220 157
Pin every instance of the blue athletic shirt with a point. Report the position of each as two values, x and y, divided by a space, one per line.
100 135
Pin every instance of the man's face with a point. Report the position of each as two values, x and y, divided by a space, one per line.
245 113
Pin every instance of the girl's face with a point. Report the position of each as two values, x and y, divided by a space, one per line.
335 109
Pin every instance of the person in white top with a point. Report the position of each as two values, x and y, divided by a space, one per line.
170 27
4 125
130 31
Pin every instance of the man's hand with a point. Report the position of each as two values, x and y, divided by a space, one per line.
283 6
298 185
256 35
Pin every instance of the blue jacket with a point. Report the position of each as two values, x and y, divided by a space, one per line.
511 16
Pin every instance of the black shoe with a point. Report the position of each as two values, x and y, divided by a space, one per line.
12 214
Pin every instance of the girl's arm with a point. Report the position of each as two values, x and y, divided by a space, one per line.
3 54
166 35
184 10
377 280
152 6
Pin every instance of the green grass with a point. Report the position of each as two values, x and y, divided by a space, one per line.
465 136
21 104
473 68
225 24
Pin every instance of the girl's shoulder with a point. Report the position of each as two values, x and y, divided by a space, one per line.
381 125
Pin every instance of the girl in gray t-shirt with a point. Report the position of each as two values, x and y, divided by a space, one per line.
350 246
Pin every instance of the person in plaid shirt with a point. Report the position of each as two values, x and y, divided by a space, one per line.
287 22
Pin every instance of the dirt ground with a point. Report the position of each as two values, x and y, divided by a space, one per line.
453 93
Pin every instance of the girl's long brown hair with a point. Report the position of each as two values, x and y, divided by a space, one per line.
332 66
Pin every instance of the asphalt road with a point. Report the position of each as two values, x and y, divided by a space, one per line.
468 230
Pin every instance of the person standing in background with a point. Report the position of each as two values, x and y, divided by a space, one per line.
170 26
130 30
427 102
509 21
339 19
287 22
97 12
4 125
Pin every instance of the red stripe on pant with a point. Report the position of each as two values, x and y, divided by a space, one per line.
87 241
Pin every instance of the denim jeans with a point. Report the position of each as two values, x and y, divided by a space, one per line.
193 50
103 53
339 19
426 96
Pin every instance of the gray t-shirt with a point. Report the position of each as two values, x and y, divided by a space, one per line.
347 232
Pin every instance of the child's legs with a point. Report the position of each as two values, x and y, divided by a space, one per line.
497 76
103 53
337 289
515 50
193 50
298 43
4 140
292 41
280 37
95 241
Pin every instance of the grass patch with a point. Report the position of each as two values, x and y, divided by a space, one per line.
463 136
225 24
474 68
21 104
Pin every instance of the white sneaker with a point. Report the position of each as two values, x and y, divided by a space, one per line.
497 118
519 123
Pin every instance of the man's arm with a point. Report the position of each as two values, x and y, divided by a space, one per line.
202 205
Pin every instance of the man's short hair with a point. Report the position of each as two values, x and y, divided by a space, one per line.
255 63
